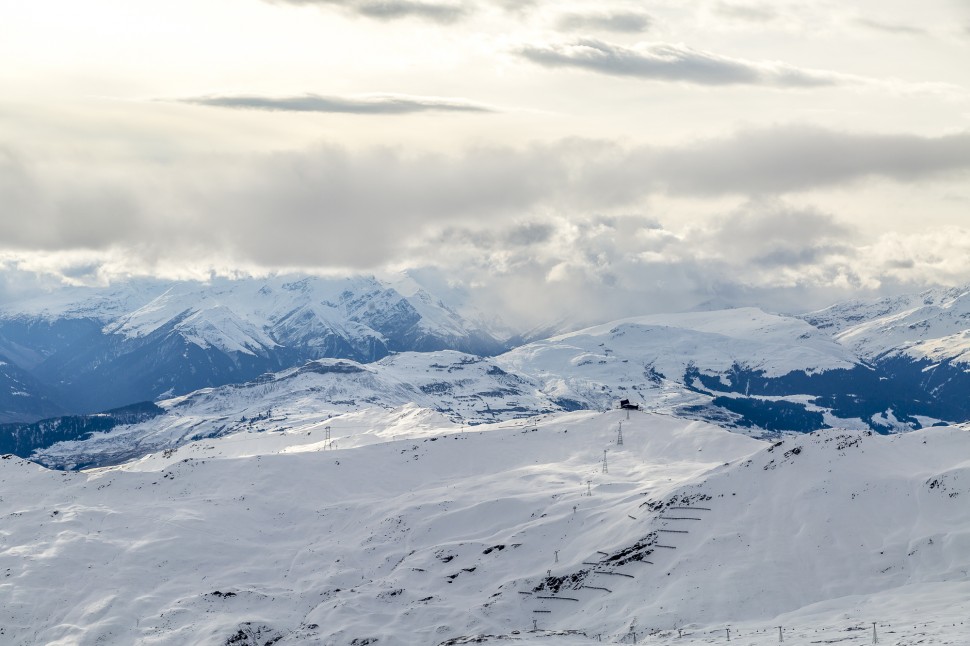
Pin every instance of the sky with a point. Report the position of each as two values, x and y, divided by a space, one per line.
606 158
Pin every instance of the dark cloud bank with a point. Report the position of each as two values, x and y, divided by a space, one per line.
327 206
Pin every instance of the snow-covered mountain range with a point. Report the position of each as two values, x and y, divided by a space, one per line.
221 357
933 325
103 348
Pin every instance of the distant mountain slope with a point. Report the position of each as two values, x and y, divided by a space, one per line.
743 369
509 534
740 367
920 343
22 439
715 342
22 398
887 365
105 348
933 325
462 388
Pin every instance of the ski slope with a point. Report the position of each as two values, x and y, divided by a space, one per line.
403 528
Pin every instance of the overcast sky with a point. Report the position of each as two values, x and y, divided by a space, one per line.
551 157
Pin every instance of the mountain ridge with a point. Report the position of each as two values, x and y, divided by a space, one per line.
160 339
852 365
756 373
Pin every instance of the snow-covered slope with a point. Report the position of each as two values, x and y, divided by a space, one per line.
680 362
715 342
251 316
919 344
21 397
461 388
414 532
933 325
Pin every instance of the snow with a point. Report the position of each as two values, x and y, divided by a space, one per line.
648 356
931 325
247 315
101 303
216 325
435 315
347 503
234 315
644 359
954 347
717 340
416 531
590 369
462 387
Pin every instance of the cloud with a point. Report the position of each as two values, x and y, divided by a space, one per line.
329 206
773 235
584 269
445 12
515 7
528 234
771 254
794 158
620 22
675 62
936 256
442 12
890 28
758 13
388 104
45 212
